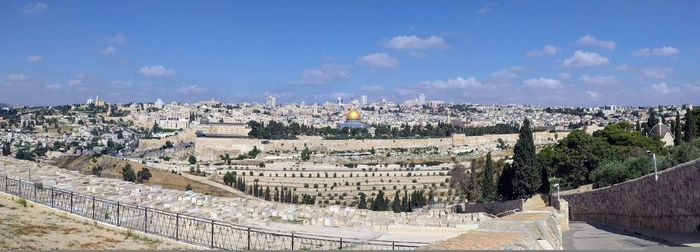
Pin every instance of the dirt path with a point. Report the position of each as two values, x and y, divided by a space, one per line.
36 227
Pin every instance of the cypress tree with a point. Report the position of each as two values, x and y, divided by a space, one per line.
396 204
404 201
505 183
677 130
689 134
473 188
363 201
526 175
489 189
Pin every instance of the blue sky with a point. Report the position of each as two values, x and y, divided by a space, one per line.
529 52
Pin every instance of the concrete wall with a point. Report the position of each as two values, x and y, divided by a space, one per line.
672 203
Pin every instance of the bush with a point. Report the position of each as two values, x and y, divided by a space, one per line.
22 202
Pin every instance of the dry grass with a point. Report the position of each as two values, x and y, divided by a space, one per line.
39 228
475 240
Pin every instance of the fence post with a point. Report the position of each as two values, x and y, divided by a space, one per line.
249 239
212 233
93 207
292 240
177 227
145 219
118 221
71 202
35 199
19 191
341 243
7 190
392 246
52 197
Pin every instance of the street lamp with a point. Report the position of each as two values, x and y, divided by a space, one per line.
557 185
656 174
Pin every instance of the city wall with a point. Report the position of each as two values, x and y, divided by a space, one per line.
186 136
672 203
209 148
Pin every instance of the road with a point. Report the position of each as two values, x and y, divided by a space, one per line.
585 236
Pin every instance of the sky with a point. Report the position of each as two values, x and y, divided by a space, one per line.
553 53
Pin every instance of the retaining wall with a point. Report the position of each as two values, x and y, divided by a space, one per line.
671 203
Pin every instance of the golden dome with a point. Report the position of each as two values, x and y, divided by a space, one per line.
353 114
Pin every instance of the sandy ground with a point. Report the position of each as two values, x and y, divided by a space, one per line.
36 227
475 240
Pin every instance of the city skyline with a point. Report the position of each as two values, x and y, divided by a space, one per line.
487 52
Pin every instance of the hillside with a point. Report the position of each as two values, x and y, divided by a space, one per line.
111 168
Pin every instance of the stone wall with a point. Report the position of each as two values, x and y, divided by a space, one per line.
494 207
182 137
671 204
206 147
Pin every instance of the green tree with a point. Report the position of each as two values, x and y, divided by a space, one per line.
143 175
396 203
473 191
128 173
505 183
305 154
488 190
192 159
677 140
526 173
362 204
689 129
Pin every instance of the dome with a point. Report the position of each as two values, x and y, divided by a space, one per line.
353 114
660 130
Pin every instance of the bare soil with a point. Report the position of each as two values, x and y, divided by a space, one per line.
36 227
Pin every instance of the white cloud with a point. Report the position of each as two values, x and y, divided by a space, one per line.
156 71
109 50
191 89
663 88
325 74
405 91
624 68
657 72
594 95
415 42
34 8
35 59
487 8
117 39
16 77
75 83
542 83
378 60
121 83
661 51
564 75
585 59
418 55
54 86
593 41
372 88
456 83
599 80
505 74
547 50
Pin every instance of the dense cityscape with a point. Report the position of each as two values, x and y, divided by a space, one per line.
364 125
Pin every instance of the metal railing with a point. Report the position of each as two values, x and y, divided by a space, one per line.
181 227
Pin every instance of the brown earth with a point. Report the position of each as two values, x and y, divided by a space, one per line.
112 168
36 227
476 240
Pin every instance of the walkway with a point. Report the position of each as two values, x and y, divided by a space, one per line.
589 236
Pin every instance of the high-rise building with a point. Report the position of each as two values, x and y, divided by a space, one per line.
364 100
340 100
421 99
271 101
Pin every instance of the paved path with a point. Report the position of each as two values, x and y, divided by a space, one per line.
585 236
